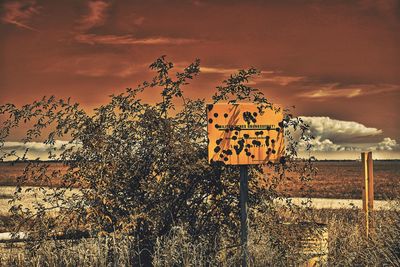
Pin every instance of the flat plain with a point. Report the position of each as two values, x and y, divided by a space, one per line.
344 180
334 179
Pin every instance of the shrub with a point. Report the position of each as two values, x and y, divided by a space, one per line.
142 168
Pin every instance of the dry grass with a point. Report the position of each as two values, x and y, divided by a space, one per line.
270 243
85 252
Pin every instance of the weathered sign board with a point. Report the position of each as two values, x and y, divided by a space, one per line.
239 134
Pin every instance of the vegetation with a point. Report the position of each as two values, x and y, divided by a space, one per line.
269 245
147 194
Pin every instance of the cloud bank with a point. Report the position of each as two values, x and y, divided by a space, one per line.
338 130
386 144
331 135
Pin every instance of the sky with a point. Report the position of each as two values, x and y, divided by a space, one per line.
338 62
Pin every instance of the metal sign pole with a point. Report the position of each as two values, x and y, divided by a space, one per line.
244 187
240 134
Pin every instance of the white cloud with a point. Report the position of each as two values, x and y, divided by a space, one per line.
35 149
339 136
39 146
326 145
387 144
320 145
339 131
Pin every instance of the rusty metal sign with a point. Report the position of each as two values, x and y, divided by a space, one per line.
239 134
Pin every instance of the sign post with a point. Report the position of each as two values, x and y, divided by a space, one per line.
244 189
244 134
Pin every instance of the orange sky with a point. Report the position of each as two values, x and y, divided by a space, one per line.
334 59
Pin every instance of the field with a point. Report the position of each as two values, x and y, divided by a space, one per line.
9 172
335 179
344 180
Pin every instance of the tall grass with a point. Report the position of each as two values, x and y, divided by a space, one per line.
270 243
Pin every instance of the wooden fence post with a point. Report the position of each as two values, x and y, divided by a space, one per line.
368 188
370 165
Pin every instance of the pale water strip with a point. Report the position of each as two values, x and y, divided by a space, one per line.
333 203
6 193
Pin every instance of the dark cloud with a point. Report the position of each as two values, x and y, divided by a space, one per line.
96 16
19 13
131 40
325 92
